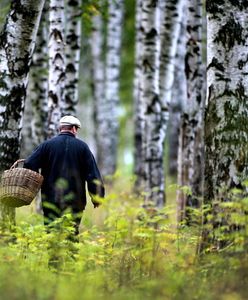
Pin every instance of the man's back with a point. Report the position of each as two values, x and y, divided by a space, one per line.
66 163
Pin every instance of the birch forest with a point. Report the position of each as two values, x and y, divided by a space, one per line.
160 88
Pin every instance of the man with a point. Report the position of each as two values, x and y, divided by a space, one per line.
66 164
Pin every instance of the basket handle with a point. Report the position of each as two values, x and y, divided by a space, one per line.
17 162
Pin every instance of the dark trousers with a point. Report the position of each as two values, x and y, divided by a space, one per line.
54 212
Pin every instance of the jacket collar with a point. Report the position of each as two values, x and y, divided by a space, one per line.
67 133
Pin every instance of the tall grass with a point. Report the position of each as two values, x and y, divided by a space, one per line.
124 252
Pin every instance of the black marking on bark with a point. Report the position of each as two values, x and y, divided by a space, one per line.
3 83
25 65
151 34
154 3
240 91
54 97
216 64
61 77
215 6
73 3
150 107
241 4
221 77
147 66
14 103
58 56
242 63
17 8
70 68
57 34
230 34
210 89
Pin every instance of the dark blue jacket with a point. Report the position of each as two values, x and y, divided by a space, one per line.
66 164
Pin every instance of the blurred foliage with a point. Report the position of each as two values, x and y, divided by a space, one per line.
4 8
124 252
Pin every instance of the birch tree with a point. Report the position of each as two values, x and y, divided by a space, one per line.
226 129
107 151
178 99
39 92
72 53
169 33
150 110
98 67
17 41
56 79
34 129
191 131
159 19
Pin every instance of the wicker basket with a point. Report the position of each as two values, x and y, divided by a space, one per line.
19 186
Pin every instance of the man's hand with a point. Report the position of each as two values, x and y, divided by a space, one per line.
95 200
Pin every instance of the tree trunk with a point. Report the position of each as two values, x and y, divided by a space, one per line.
226 129
178 99
56 79
39 99
150 109
97 45
17 43
73 47
107 152
226 133
158 19
169 34
35 114
191 131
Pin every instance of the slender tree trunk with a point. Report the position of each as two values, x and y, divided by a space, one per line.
56 80
178 99
39 99
73 47
17 42
169 34
150 117
97 44
226 129
191 132
34 129
107 152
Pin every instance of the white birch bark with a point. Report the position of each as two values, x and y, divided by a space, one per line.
191 132
36 107
72 52
39 92
98 67
107 152
152 139
156 83
17 42
169 33
178 99
226 129
56 79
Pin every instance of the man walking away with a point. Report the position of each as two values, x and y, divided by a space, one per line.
66 164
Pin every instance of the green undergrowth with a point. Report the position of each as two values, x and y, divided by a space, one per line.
124 252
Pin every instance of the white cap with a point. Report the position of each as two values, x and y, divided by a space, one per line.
70 120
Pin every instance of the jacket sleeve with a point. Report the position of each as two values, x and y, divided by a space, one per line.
33 162
93 177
